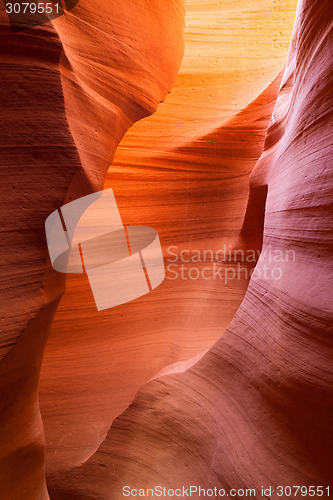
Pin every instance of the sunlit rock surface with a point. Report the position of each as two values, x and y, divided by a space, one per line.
256 410
51 155
184 171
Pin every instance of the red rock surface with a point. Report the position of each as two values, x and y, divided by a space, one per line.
194 193
44 164
256 409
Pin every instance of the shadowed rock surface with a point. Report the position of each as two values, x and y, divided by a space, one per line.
50 156
256 408
184 171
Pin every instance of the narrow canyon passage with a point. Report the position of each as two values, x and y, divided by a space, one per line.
256 411
185 173
220 145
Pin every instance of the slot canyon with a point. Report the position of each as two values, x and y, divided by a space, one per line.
211 121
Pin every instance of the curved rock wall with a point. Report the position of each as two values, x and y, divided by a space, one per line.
256 410
184 171
51 155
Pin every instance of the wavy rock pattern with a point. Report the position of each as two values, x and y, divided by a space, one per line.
185 172
49 156
257 408
35 142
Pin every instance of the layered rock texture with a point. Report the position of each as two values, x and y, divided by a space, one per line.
51 155
233 378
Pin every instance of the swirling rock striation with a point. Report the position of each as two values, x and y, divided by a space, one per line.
53 152
184 171
256 410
